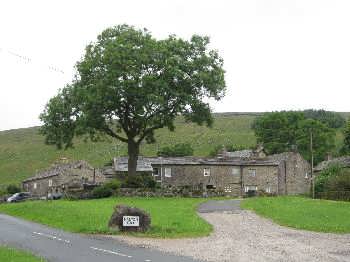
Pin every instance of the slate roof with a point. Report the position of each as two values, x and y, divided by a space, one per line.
247 153
144 164
57 169
343 161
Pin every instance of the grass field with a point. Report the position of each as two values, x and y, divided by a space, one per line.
23 152
303 213
171 217
13 255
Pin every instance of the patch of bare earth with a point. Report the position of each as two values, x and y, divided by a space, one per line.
244 236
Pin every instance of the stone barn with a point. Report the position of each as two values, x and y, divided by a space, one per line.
62 176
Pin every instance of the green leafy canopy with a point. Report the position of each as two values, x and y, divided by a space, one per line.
129 84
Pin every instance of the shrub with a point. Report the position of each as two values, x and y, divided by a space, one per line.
324 176
139 181
12 189
114 184
182 149
340 182
102 192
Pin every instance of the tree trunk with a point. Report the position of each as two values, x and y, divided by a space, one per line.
133 152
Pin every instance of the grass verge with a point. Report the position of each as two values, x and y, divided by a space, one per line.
171 217
303 213
13 255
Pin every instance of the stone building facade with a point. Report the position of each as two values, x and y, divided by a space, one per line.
61 177
281 174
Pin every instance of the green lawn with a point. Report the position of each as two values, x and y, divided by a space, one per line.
171 217
303 213
13 255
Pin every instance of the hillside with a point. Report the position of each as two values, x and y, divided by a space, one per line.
23 152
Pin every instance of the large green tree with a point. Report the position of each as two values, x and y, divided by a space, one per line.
281 131
128 84
323 139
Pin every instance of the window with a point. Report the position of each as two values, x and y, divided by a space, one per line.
206 171
236 171
167 172
250 188
50 182
35 185
268 190
306 175
156 171
252 172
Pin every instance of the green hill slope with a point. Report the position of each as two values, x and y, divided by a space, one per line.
23 152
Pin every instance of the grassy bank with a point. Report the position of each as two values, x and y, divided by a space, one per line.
171 217
14 255
303 213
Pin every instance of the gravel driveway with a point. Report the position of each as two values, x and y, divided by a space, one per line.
240 235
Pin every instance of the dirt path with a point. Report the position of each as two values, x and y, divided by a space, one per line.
243 236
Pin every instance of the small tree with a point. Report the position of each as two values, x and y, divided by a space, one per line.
345 150
129 84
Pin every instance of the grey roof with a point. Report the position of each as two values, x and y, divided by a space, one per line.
343 161
121 165
145 163
246 153
57 169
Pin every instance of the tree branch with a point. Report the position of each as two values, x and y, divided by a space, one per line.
113 134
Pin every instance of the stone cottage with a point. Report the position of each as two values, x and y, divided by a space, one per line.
61 177
340 161
234 173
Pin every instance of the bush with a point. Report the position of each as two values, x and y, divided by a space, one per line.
12 189
182 149
325 175
102 192
139 181
340 182
114 184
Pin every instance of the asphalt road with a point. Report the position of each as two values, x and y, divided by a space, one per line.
232 205
59 246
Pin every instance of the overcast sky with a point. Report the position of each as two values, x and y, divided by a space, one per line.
278 54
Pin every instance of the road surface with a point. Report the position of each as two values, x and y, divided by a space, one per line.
59 246
231 205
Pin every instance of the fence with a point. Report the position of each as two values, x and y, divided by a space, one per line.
334 195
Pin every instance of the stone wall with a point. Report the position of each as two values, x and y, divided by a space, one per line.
229 179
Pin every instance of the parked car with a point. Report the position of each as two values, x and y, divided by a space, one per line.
21 196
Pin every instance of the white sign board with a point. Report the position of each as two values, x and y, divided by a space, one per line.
131 221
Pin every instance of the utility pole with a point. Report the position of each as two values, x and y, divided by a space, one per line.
312 164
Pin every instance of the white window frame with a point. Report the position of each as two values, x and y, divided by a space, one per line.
306 175
35 185
167 171
206 171
247 188
235 171
268 190
50 182
252 172
153 172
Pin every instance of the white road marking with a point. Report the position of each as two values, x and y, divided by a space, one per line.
52 237
110 252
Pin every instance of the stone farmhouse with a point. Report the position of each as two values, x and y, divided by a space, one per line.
234 173
61 177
